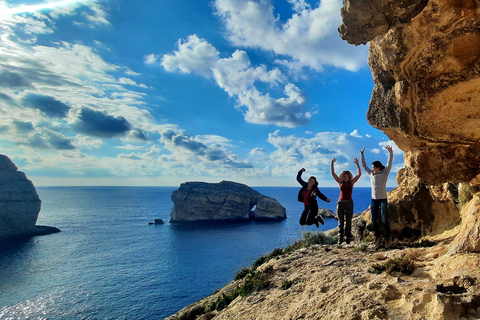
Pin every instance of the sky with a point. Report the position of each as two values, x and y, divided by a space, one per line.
157 93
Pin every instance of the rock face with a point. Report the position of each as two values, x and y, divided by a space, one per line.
19 203
425 62
416 210
201 201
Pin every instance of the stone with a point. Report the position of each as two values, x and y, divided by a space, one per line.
156 222
468 238
19 204
224 201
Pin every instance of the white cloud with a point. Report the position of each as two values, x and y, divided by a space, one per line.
309 36
194 55
238 78
355 134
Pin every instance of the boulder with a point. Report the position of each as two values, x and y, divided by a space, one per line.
156 222
19 203
468 238
224 201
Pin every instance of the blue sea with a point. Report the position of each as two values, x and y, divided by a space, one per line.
109 263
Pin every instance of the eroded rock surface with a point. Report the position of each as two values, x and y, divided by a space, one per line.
425 62
201 201
332 282
416 210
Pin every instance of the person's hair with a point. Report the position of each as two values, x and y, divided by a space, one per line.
314 178
378 164
348 173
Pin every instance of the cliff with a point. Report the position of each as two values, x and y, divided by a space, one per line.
425 62
224 201
19 204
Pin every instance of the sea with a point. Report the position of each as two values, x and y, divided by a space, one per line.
108 262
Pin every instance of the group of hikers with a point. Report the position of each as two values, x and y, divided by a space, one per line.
378 207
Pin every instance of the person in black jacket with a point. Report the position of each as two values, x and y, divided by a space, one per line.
308 195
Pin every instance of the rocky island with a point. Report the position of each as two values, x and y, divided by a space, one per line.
19 204
224 201
425 63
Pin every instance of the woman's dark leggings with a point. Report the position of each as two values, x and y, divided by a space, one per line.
345 214
308 215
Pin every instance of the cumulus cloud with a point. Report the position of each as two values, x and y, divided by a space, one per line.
239 79
100 124
208 152
49 105
194 55
49 140
309 36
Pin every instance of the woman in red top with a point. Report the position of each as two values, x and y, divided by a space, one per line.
308 195
345 201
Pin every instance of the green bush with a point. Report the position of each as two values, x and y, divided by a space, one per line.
312 238
287 284
406 266
466 192
362 248
254 281
242 273
259 262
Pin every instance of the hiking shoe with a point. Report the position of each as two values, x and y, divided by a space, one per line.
388 243
347 241
340 240
378 242
320 219
316 223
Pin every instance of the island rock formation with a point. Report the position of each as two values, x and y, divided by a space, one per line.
19 203
201 201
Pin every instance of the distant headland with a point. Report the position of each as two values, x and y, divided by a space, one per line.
224 201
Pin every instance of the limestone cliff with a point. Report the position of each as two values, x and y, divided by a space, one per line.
19 203
201 201
425 62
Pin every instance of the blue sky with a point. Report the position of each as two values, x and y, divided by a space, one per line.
156 93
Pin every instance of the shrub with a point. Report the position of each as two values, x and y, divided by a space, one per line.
242 273
466 192
423 244
255 282
259 262
287 284
312 238
275 253
406 266
222 302
362 248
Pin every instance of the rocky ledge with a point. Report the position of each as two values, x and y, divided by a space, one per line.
349 282
19 204
224 201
